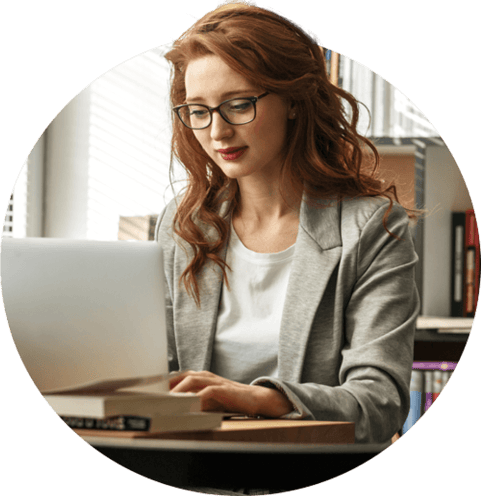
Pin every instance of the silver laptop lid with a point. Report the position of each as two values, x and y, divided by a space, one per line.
83 311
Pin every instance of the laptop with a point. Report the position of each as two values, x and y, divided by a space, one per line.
85 313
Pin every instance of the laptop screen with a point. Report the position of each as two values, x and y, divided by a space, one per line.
82 311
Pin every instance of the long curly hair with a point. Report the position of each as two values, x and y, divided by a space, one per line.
325 156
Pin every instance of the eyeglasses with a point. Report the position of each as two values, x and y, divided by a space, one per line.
236 111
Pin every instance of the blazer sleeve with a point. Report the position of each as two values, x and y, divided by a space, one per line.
380 306
164 236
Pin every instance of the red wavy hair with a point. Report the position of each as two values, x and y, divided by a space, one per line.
325 156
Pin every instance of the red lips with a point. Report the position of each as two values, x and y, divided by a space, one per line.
232 153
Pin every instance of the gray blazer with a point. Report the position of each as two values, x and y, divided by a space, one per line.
347 331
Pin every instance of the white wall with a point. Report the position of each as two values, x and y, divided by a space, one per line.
66 171
35 190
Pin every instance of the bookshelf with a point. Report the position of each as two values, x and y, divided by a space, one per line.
441 338
427 177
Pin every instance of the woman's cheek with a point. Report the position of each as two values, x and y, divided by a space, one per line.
204 144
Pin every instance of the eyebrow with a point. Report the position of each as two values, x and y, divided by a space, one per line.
223 96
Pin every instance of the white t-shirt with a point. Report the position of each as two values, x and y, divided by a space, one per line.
248 324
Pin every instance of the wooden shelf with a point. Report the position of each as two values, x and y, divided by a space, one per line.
441 338
449 325
433 335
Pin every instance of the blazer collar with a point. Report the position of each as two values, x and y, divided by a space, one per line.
320 218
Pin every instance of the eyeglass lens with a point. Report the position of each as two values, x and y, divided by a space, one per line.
239 111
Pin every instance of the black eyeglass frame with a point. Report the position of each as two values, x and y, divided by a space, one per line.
252 99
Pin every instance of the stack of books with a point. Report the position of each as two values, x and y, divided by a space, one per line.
124 413
427 381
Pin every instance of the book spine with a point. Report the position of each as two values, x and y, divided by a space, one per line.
437 384
470 278
457 264
418 365
470 265
477 263
428 389
120 423
445 375
152 224
416 392
472 261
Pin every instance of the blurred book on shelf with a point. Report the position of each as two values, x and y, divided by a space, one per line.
427 381
465 264
137 228
472 264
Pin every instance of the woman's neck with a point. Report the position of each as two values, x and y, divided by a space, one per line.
265 220
261 202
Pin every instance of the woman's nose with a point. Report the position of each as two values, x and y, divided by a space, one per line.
220 129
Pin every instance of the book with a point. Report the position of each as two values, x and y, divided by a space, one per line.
115 403
437 384
445 375
428 389
469 286
429 365
416 391
108 406
143 426
457 263
471 271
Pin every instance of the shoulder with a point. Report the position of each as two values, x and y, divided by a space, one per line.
333 223
365 214
367 232
165 221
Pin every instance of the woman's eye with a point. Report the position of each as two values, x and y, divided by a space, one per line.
239 106
199 114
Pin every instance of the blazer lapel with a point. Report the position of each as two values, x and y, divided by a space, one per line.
198 325
318 250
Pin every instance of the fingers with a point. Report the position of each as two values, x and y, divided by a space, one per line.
215 392
192 381
227 398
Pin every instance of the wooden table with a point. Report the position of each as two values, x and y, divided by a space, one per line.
255 430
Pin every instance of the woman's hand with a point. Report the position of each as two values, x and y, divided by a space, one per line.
217 393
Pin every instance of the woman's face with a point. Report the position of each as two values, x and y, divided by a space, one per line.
255 150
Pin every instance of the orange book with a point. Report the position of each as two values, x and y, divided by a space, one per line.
471 287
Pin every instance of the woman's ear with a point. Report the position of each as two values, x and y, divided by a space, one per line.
292 114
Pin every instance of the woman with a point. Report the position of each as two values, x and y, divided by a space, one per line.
289 265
